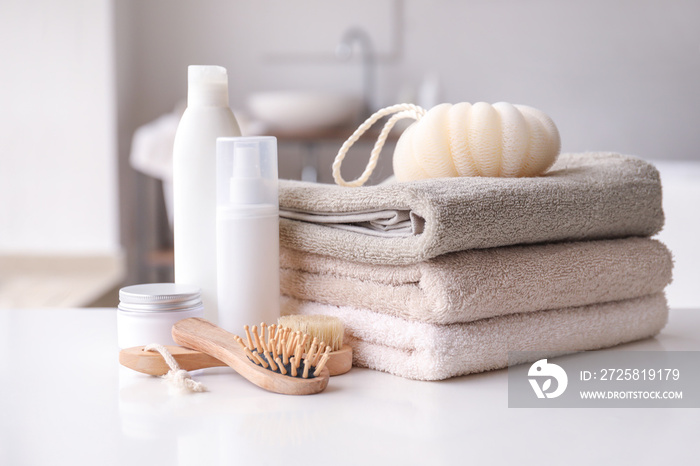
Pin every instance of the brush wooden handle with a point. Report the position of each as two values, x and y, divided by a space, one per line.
152 363
202 335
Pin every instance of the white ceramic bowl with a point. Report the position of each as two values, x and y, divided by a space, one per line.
304 110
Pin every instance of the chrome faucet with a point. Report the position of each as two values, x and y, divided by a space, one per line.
344 51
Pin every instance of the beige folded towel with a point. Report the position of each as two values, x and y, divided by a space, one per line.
583 196
479 283
423 351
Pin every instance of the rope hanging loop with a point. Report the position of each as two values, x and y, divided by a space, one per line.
398 112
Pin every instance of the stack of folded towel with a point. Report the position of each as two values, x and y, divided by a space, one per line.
443 277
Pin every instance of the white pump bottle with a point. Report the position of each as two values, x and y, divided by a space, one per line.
247 232
206 118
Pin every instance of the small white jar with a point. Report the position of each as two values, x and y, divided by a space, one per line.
146 313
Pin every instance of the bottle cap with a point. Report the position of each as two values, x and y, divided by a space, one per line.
247 171
207 85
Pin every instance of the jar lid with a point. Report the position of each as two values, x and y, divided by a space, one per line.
157 297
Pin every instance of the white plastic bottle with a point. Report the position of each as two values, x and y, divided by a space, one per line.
247 232
206 118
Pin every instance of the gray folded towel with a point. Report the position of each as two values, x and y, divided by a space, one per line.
474 284
418 350
583 196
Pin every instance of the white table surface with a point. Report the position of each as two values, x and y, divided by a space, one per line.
65 400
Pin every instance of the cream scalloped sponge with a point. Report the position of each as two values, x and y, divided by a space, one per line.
501 140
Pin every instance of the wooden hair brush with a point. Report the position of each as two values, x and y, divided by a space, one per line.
325 328
276 362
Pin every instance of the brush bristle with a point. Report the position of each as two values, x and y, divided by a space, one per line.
324 328
284 350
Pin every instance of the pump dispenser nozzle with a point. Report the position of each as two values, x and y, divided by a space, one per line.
246 184
247 171
246 161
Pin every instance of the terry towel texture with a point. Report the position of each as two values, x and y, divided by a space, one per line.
443 277
475 284
583 196
424 351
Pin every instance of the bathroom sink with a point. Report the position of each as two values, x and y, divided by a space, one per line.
304 110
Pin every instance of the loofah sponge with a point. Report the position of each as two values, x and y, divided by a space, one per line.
499 140
477 140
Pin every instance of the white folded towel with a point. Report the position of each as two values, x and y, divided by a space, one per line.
152 147
424 351
152 151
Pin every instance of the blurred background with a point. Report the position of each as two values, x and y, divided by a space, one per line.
92 90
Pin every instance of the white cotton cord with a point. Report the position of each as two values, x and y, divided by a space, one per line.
400 111
176 377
